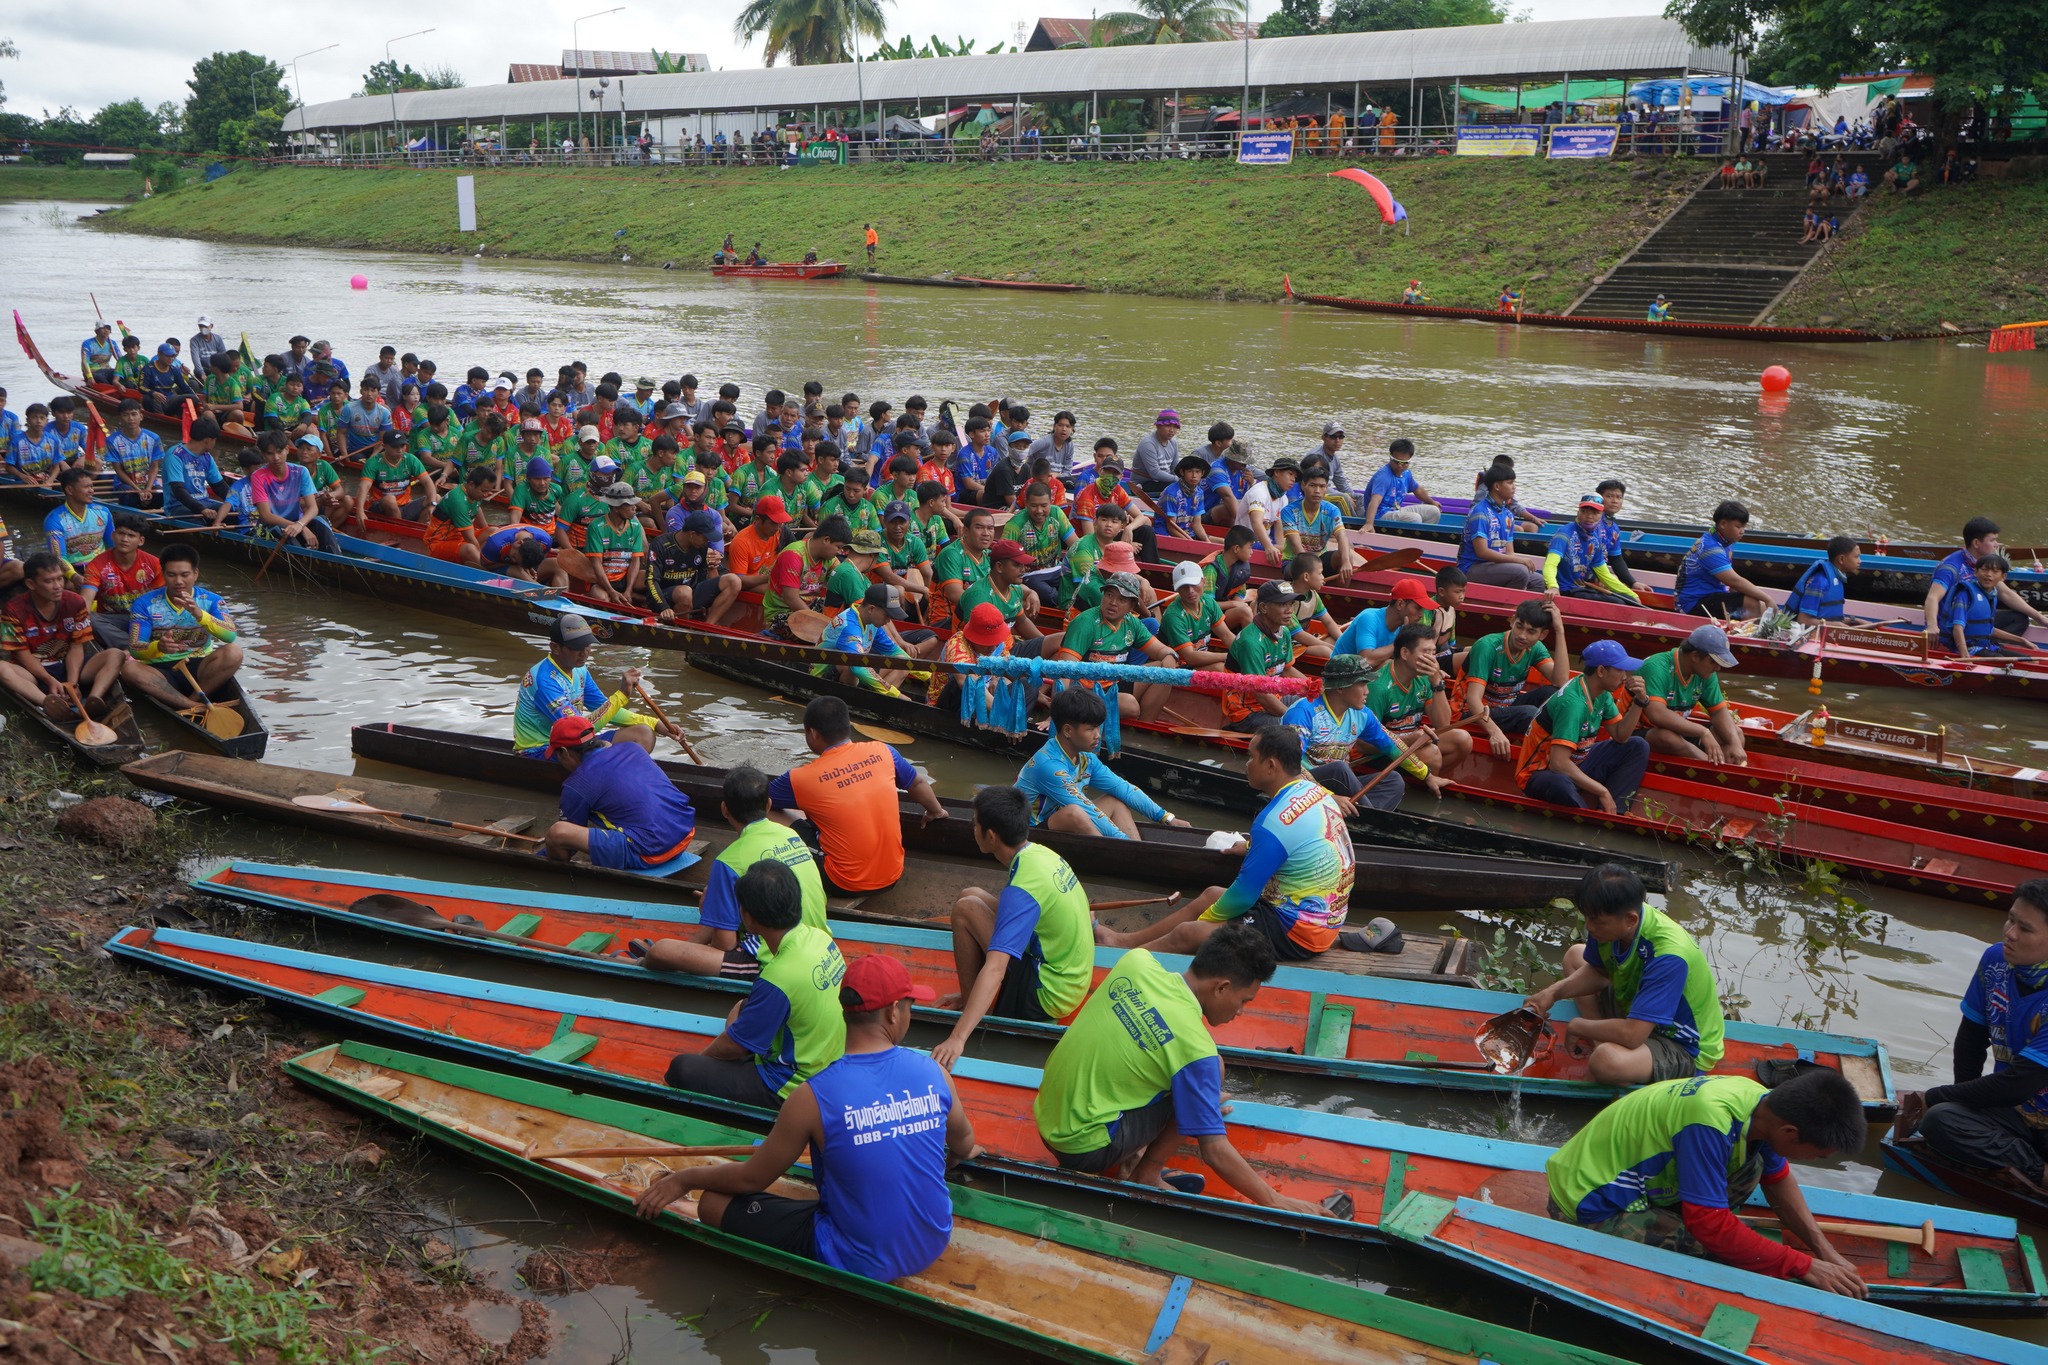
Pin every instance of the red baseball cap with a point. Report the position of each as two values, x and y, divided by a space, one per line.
1011 550
878 981
570 732
771 507
1411 590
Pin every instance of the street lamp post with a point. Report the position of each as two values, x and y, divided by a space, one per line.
1244 103
576 42
394 78
297 88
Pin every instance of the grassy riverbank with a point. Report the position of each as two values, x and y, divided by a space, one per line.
164 1190
63 182
1194 230
1968 256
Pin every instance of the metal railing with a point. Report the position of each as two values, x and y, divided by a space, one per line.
1663 139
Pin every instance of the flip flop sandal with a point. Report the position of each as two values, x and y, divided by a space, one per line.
636 949
1187 1182
1775 1071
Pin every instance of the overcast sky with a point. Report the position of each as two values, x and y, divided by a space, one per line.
71 54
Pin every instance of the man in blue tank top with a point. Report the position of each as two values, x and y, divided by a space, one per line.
883 1125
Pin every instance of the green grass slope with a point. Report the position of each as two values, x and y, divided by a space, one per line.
1971 256
1196 230
62 182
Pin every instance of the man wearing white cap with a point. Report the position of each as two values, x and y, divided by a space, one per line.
204 346
1677 681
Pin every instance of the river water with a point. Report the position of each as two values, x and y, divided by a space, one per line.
1909 439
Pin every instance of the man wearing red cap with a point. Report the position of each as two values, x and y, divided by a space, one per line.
984 636
752 550
1370 634
883 1125
1008 562
617 806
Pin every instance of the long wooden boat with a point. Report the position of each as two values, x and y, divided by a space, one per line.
622 1049
1397 1031
781 270
934 281
1053 1284
1043 286
128 744
924 894
1402 878
251 743
107 398
1894 750
1850 656
1726 331
1912 1157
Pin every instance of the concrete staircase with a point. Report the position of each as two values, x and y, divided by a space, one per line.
1725 255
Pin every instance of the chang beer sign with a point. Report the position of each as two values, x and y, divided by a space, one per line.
822 154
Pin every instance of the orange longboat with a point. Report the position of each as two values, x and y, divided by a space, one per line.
1309 1154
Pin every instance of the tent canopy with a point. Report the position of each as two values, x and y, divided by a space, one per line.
1664 93
1538 96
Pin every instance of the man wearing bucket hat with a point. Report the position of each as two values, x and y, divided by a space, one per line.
1113 633
1337 726
883 1209
561 685
1119 558
1682 679
1260 508
618 808
1563 762
984 635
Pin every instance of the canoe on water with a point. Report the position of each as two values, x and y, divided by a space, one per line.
1055 1284
1402 878
781 270
924 895
1307 1019
1913 1157
127 746
624 1049
253 738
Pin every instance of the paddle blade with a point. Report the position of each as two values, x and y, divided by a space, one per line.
334 801
885 734
403 909
94 735
1397 559
221 723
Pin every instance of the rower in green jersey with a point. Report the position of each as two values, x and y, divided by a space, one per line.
789 1028
1647 1006
1026 951
1669 1164
1136 1071
1004 588
1408 694
435 443
1191 624
715 946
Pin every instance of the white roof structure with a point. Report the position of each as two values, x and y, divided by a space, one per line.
1640 46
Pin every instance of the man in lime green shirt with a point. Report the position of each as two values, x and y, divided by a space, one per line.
1679 680
790 1027
1668 1165
1137 1070
716 946
1648 1008
1028 951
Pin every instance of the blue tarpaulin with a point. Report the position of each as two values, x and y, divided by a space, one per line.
1664 93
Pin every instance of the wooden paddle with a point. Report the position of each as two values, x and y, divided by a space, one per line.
335 801
1393 559
88 731
808 627
566 1153
1922 1236
1096 907
220 722
404 910
1401 757
270 558
880 732
680 737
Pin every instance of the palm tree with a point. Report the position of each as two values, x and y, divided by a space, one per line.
809 32
1165 21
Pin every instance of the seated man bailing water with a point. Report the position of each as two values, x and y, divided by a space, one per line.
618 807
789 1027
1998 1122
1027 951
716 947
1648 1008
882 1124
1295 885
1668 1165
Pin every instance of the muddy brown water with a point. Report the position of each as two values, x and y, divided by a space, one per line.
1910 439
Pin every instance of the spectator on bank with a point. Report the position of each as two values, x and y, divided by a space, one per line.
1812 225
1729 174
1859 184
1757 169
1829 226
1904 177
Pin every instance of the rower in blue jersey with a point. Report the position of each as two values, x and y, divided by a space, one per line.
1707 581
1576 564
1980 538
1338 725
1969 614
1997 1121
560 685
618 808
1071 789
1823 587
78 528
865 623
1486 547
883 1125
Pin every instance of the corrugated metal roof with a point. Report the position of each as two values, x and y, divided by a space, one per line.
1639 46
607 61
521 72
1048 34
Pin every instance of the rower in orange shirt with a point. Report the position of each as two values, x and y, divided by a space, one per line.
848 793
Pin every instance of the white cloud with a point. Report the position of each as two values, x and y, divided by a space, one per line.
71 56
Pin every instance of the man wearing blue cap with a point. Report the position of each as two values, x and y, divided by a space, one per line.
164 382
1677 681
1561 760
685 574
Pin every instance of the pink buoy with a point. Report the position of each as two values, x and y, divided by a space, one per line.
363 282
1776 379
